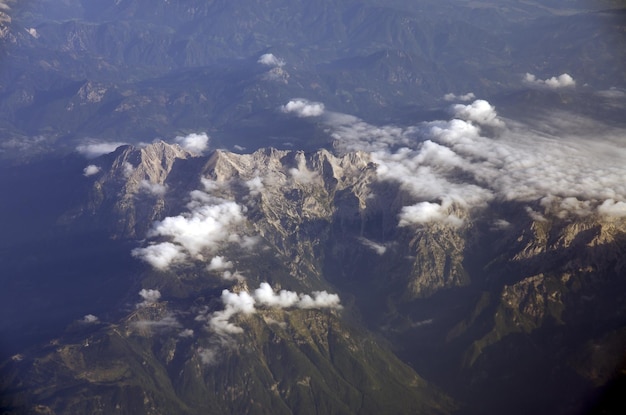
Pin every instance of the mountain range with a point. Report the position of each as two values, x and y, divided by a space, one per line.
312 207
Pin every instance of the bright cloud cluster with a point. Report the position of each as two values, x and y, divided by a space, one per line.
561 81
149 297
454 165
245 303
209 223
303 108
194 143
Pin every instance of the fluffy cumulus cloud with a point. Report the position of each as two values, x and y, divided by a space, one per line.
480 112
303 108
91 170
234 303
149 297
92 148
268 59
209 224
242 302
194 143
568 165
561 81
160 255
219 263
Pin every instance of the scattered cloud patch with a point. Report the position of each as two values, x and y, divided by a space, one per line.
160 255
219 263
90 318
92 149
255 186
155 189
209 223
480 112
232 276
303 108
451 166
612 93
186 333
234 303
425 212
302 174
194 143
380 249
268 59
243 302
168 322
149 297
465 97
265 295
91 170
561 81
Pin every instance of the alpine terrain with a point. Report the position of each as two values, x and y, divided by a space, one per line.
321 207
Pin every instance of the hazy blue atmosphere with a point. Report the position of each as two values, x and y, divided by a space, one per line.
312 207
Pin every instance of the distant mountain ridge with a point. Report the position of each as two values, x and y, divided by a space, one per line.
143 71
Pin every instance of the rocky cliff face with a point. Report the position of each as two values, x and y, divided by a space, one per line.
449 297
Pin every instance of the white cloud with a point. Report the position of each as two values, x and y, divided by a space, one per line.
166 323
465 97
376 247
612 93
92 149
303 108
91 170
232 276
209 223
234 303
160 255
194 143
255 186
269 59
319 299
90 318
155 189
186 333
480 112
266 296
302 174
208 356
561 81
425 212
613 208
149 297
449 166
128 169
219 263
202 229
